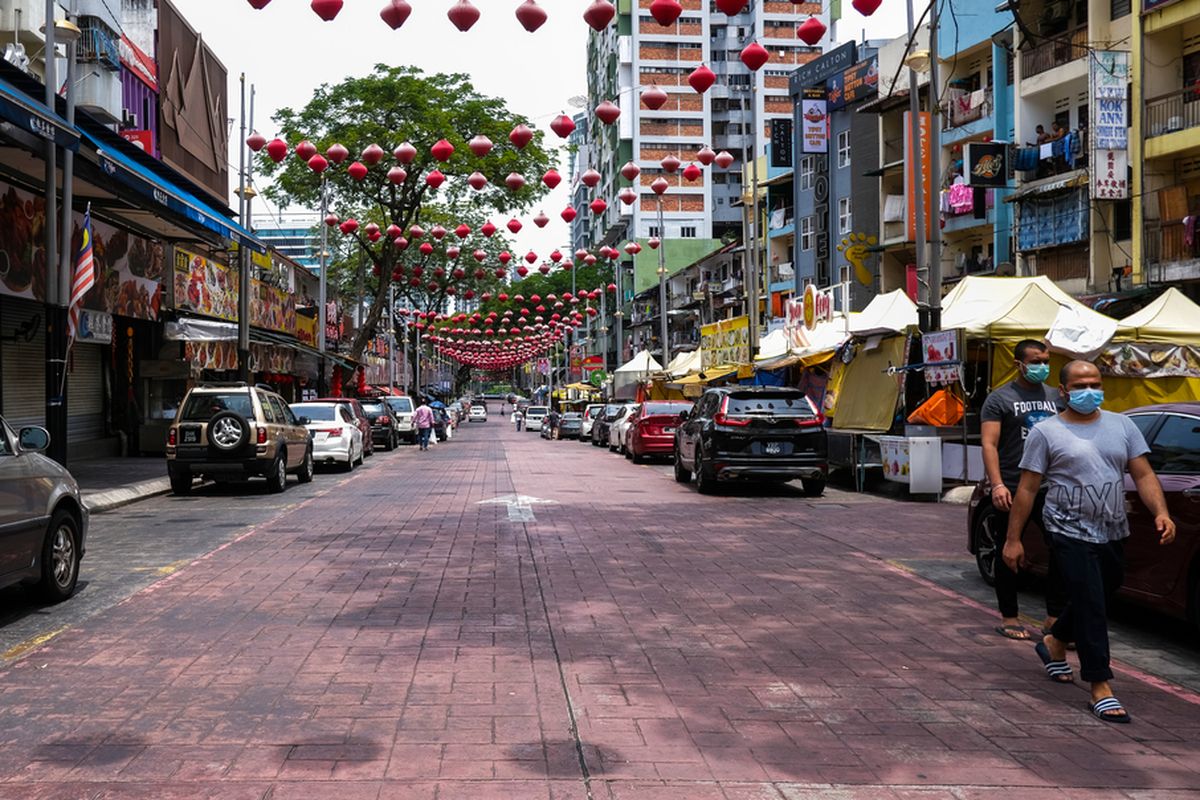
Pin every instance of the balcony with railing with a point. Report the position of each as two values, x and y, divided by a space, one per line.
99 43
1172 250
1054 51
1172 112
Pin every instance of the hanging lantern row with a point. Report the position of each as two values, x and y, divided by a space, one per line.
598 15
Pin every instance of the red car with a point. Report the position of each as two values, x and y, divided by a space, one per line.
1166 579
652 431
360 419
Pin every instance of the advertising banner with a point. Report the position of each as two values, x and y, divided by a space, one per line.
941 348
272 308
205 286
918 186
987 164
306 330
725 342
128 267
1145 360
856 83
814 127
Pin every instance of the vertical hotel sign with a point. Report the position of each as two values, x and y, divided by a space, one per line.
917 187
1108 81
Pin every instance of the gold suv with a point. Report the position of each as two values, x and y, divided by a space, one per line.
231 432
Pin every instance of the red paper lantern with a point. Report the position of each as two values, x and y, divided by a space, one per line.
463 15
866 7
400 243
479 255
608 112
530 257
630 170
326 9
372 154
598 206
660 185
514 225
305 150
724 159
480 145
562 125
477 180
416 231
811 31
395 13
541 219
522 270
487 229
442 150
357 170
520 136
462 231
670 163
590 178
331 219
514 181
349 226
754 56
654 242
628 195
691 173
435 179
569 213
426 250
318 163
531 15
405 153
731 8
255 141
504 257
599 14
277 150
705 155
666 11
702 79
437 232
259 5
654 98
551 178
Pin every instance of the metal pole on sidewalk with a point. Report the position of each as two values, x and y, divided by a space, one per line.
663 327
935 169
914 168
753 279
56 294
243 331
321 290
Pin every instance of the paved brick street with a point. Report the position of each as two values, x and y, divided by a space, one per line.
393 635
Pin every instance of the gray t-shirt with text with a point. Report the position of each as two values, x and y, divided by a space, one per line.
1083 467
1017 409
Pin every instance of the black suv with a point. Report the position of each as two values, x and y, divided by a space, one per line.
752 432
229 432
383 423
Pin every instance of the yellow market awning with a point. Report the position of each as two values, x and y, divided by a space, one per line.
708 375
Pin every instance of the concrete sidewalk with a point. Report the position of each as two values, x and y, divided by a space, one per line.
108 483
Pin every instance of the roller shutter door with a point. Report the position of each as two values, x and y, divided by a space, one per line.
23 363
85 394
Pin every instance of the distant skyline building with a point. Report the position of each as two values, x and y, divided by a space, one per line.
293 235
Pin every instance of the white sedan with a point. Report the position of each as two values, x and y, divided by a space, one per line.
477 414
335 436
618 431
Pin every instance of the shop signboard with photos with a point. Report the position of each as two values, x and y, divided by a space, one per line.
128 268
725 342
205 287
987 164
272 308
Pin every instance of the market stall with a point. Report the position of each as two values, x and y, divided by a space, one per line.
629 377
1155 355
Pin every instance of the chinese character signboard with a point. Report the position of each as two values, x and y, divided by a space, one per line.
814 130
1110 176
918 186
987 164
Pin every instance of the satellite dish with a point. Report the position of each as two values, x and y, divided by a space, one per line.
1005 269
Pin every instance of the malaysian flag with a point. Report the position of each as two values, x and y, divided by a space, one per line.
84 277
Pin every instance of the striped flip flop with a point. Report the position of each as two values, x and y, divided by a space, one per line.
1059 671
1104 707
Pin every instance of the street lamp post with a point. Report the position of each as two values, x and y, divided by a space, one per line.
753 278
915 168
321 321
243 340
664 327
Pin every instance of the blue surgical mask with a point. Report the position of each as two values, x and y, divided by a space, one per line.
1037 373
1085 401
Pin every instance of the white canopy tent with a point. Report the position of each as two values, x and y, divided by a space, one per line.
886 313
684 364
638 369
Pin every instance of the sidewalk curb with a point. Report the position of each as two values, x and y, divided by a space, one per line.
99 502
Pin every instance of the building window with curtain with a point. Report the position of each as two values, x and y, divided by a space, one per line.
845 216
806 233
843 149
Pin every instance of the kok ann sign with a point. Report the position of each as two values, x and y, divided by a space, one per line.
814 126
1110 180
818 306
918 186
987 164
1108 84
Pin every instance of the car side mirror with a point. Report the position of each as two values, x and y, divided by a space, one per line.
34 439
303 421
683 415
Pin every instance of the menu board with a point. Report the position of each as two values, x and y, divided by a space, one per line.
205 286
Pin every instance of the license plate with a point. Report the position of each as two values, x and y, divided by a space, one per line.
668 430
190 436
773 448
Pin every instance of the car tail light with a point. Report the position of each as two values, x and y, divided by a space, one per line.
384 420
816 421
262 435
332 433
722 417
171 438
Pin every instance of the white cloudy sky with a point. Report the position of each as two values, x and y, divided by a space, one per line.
286 51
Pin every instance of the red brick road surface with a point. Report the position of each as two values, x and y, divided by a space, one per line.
395 638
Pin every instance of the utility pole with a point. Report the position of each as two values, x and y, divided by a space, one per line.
917 195
664 326
752 277
935 169
243 342
321 381
618 314
57 295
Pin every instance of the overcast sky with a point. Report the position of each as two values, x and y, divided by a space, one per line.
286 51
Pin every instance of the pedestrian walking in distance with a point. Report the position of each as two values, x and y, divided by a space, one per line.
518 419
423 419
1082 454
1009 413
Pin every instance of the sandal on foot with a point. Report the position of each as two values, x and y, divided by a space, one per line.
1104 708
1059 671
1017 632
1046 632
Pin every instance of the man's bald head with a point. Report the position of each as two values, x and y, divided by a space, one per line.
1078 371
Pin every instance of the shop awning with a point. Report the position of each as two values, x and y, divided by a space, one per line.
200 329
708 376
26 113
1050 186
175 198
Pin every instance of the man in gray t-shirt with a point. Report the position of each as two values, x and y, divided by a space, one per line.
1082 455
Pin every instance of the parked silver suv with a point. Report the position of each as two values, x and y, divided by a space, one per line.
43 521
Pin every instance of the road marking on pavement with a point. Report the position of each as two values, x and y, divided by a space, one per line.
18 650
520 506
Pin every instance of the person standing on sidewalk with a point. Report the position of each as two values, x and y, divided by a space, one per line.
423 419
1008 414
1083 454
518 419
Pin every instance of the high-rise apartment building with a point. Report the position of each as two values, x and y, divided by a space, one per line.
638 53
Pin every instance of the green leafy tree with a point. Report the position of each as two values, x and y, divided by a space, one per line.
387 107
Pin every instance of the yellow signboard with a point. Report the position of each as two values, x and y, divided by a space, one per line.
725 342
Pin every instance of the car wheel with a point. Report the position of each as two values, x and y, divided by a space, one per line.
635 456
706 482
813 487
60 558
181 483
682 474
277 477
626 452
307 468
362 454
349 465
228 432
988 542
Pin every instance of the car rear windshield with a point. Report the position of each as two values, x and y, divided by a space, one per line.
781 405
537 411
573 415
374 408
401 405
203 407
664 409
317 413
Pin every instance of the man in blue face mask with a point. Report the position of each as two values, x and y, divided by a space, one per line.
1009 414
1083 455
